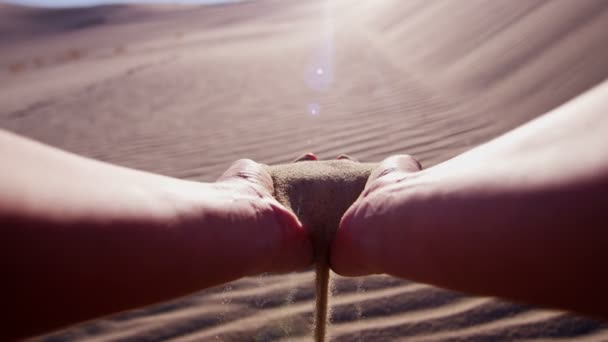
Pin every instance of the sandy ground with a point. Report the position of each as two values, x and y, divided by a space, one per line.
184 91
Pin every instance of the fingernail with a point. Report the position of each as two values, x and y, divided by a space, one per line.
311 156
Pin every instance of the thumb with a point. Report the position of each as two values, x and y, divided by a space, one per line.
292 251
389 169
357 241
249 171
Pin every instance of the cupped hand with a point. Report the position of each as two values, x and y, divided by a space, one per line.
369 231
246 205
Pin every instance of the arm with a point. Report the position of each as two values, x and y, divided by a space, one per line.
81 238
523 217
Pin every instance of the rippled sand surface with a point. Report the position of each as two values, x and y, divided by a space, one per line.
184 91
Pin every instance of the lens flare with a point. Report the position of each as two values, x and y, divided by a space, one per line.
314 109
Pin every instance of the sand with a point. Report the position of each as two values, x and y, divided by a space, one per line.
319 193
184 91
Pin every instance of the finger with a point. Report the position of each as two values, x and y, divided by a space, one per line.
398 163
250 171
345 250
307 156
358 241
294 251
346 157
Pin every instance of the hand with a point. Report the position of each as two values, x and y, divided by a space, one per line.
95 238
360 245
247 205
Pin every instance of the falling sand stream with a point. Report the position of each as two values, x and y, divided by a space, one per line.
319 192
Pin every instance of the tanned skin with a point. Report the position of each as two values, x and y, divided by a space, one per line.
523 217
83 239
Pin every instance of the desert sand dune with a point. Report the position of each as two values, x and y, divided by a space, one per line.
185 90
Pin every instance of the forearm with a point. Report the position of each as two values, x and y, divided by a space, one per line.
82 269
522 217
81 238
544 247
39 180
